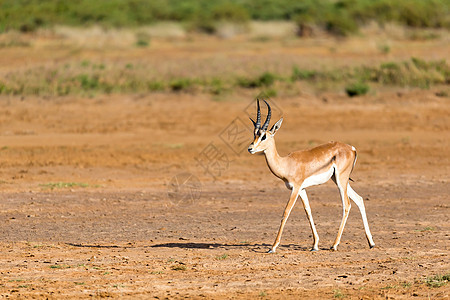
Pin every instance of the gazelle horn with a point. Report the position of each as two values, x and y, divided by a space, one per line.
257 124
269 114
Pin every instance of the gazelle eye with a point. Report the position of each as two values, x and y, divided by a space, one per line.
263 138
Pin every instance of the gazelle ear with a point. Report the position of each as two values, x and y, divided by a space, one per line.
276 126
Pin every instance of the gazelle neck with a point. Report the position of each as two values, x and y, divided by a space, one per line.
274 161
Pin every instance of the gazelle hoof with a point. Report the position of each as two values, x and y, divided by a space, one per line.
334 248
314 249
271 251
372 246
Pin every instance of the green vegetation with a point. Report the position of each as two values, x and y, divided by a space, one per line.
87 78
389 287
338 294
213 13
438 280
59 267
222 257
179 267
61 185
142 39
217 87
180 84
357 89
428 228
435 281
341 17
406 284
265 79
298 74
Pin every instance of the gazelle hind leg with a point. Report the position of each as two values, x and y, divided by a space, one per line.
310 218
346 205
360 203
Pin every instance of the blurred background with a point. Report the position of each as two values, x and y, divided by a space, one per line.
140 85
137 46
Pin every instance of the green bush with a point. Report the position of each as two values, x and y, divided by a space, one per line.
418 13
180 84
202 22
340 23
265 79
340 17
357 89
88 82
230 12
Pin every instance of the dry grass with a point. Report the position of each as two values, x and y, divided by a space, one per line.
164 58
90 77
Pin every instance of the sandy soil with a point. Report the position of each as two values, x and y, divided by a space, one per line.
129 225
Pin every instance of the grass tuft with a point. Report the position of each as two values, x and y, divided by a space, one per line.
338 294
438 280
222 257
59 267
428 228
62 185
179 267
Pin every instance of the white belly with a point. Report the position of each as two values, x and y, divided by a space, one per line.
318 178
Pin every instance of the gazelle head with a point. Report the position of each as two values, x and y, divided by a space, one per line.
263 138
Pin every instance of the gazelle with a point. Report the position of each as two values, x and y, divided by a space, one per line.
305 168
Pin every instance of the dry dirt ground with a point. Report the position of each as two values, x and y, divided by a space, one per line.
128 225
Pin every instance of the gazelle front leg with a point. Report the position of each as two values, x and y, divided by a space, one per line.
310 218
287 211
